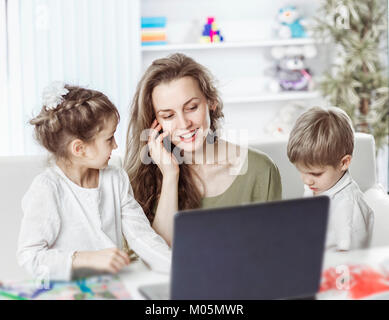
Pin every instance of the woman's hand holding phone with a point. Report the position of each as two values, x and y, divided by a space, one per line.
164 159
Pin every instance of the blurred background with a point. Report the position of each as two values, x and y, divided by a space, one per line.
272 59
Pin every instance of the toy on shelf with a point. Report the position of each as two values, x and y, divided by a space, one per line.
290 25
284 121
291 73
211 34
154 31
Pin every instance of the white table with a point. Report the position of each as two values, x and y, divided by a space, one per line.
138 274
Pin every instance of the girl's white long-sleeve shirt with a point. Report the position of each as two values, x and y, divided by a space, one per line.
60 218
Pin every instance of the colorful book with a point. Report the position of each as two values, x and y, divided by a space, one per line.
153 22
156 37
154 43
154 31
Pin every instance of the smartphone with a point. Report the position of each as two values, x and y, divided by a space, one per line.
167 143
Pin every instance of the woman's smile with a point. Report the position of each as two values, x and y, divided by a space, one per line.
189 137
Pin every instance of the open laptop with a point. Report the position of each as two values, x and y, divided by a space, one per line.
271 250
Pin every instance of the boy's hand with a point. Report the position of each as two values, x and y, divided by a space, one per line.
108 260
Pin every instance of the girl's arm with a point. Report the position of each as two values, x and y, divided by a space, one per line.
141 237
110 260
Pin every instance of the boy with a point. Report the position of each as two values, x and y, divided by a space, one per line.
321 145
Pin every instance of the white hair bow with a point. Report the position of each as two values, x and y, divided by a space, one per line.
53 95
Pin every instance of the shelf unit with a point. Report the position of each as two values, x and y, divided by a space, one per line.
241 98
239 64
282 96
229 45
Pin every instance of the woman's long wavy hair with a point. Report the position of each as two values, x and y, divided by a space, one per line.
146 179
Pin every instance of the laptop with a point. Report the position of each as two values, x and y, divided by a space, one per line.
270 250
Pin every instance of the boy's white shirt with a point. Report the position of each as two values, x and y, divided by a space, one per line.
60 218
351 220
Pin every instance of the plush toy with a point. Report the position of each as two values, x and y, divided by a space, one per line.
291 74
284 121
290 24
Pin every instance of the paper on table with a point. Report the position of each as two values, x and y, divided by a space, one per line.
355 281
94 288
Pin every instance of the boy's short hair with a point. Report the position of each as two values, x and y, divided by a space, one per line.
321 137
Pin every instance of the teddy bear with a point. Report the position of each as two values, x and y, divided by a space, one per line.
284 121
290 25
291 74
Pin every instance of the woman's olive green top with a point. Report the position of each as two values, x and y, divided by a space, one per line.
259 181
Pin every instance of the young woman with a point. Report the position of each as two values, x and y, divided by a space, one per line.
175 160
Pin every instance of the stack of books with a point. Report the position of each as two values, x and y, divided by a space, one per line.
153 31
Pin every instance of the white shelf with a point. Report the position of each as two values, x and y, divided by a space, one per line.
226 45
283 96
